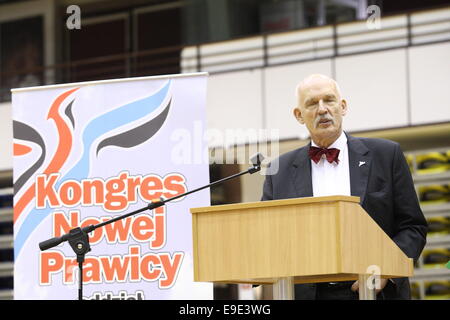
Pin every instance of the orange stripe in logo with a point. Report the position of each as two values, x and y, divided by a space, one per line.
61 154
20 149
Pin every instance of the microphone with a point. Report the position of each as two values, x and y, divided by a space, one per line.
256 162
257 159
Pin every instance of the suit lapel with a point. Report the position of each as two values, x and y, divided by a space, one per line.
301 173
359 164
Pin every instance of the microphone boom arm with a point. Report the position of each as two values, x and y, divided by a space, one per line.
78 237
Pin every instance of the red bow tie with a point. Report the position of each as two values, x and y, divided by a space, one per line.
316 153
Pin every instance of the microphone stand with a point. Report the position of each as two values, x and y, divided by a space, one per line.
78 237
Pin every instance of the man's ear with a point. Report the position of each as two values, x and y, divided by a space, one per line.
298 115
344 107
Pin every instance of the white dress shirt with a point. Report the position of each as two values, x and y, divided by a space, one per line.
332 178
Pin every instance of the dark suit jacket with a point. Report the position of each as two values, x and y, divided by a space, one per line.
384 185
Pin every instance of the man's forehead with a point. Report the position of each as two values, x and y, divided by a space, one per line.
316 89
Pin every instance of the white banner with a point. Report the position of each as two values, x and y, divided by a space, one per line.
87 152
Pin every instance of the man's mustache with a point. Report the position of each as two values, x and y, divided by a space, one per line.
323 118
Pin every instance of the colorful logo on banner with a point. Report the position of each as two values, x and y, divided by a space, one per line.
58 184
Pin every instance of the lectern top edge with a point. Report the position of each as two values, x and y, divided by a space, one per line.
259 204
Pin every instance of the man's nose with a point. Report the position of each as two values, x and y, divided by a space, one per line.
322 108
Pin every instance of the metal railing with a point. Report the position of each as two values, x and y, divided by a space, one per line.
330 41
148 62
265 50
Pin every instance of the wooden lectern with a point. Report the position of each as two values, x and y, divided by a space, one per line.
285 242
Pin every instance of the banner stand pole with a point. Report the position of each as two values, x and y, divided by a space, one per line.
78 237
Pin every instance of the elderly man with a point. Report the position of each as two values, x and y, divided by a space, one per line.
335 163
